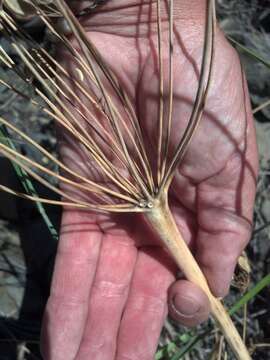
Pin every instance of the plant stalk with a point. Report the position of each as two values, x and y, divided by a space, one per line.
161 219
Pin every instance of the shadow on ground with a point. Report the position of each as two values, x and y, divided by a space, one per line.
39 248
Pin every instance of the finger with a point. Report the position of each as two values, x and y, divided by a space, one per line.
146 306
221 240
225 204
75 266
225 208
188 304
108 298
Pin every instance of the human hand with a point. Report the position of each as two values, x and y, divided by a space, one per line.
112 280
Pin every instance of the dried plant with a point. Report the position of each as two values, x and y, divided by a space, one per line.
109 133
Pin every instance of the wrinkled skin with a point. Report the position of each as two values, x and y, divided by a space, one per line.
113 283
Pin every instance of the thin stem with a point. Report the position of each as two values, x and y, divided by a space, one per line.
27 184
84 206
161 97
107 167
203 86
105 164
78 33
170 114
112 145
39 199
9 153
5 58
92 186
97 153
125 101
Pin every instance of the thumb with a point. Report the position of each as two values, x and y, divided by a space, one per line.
188 304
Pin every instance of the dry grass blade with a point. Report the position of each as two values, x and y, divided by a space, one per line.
261 107
94 111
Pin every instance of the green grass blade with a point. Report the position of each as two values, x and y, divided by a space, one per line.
250 294
189 346
174 346
249 52
27 183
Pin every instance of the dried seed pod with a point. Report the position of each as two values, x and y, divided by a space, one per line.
241 279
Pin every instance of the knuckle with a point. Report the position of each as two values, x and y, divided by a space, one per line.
109 289
147 303
61 303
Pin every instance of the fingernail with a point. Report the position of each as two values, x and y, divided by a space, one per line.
185 306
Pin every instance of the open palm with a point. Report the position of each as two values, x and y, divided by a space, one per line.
110 289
